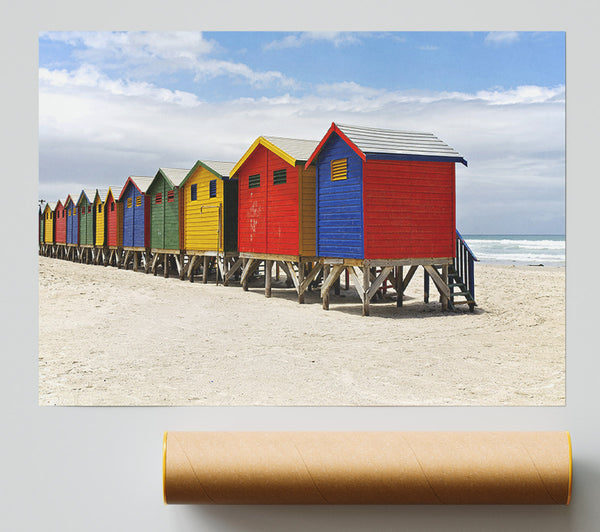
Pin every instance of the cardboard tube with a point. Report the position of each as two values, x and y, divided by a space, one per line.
367 467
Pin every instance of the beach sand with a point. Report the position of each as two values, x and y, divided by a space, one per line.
116 337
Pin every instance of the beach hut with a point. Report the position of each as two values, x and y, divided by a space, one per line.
385 200
49 228
136 221
100 250
276 209
86 224
113 210
165 218
72 227
210 211
60 228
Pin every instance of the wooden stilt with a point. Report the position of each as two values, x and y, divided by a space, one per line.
222 267
204 269
301 273
135 261
440 283
166 259
249 268
268 272
238 263
365 287
190 271
305 284
399 286
444 298
291 278
179 263
325 289
425 286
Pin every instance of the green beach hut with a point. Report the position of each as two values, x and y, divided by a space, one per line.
166 221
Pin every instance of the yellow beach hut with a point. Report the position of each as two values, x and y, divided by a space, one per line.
209 204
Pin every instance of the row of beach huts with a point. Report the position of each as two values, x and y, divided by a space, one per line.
371 204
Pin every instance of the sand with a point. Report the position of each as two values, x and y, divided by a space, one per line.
116 337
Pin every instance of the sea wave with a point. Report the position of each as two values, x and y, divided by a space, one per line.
519 249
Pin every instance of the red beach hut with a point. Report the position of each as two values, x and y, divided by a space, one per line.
61 229
114 225
276 207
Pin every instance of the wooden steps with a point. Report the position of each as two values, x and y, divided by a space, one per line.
455 281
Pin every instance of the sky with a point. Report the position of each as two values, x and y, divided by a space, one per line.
115 104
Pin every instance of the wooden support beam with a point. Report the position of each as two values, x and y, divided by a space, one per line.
126 259
249 269
301 276
399 285
288 267
220 263
408 278
179 264
204 269
354 273
379 280
325 294
190 269
365 287
312 275
234 268
268 272
166 258
444 298
332 277
154 263
437 280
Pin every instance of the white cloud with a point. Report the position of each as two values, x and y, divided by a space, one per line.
144 55
136 44
336 38
501 37
428 47
89 77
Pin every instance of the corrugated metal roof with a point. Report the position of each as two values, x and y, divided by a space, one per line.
376 140
89 194
299 149
175 175
142 182
102 192
116 191
220 167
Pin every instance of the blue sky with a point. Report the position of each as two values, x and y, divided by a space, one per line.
120 104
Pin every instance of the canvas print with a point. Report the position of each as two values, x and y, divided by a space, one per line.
331 218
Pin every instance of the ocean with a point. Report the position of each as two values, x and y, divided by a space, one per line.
548 250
